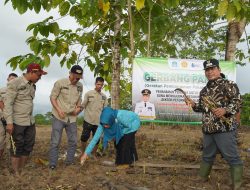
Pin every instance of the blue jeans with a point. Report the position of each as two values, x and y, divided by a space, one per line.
56 135
225 143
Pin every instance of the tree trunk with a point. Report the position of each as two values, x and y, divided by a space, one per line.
115 84
149 33
131 32
234 33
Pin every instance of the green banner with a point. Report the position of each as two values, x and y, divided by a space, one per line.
162 76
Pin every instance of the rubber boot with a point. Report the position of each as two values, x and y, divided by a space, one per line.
205 169
236 175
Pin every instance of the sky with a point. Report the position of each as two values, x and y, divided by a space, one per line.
13 35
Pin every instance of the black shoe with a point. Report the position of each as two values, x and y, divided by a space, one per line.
52 167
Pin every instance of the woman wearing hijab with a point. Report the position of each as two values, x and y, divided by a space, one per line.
120 126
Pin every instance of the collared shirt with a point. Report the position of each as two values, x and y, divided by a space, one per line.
2 95
220 93
18 102
68 96
93 104
145 110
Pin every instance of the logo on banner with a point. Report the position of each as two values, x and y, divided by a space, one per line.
186 64
195 65
174 64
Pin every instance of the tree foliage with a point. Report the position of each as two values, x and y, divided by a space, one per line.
245 116
185 29
233 9
43 119
179 29
46 119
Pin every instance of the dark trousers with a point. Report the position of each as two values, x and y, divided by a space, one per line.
225 143
125 150
24 139
87 130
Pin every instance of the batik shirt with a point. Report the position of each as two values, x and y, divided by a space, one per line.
219 93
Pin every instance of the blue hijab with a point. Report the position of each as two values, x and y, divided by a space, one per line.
108 117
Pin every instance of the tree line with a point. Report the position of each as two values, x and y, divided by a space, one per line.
46 119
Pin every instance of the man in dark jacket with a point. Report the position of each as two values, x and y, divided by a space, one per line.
219 101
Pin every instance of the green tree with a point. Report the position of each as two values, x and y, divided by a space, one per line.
113 31
80 120
40 119
245 112
45 119
237 14
48 116
103 27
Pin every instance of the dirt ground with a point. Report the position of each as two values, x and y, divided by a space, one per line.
167 145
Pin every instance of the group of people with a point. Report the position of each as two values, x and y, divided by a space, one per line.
218 121
66 99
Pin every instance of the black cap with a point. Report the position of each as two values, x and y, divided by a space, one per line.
146 92
77 69
210 63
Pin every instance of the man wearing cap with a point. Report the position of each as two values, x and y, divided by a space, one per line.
219 101
93 103
145 109
18 108
66 101
2 120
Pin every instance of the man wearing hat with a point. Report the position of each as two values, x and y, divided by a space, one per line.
18 108
219 101
145 109
66 101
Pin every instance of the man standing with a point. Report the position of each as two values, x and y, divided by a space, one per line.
93 103
145 109
66 100
219 102
18 108
2 120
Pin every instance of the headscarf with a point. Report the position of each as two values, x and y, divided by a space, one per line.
108 117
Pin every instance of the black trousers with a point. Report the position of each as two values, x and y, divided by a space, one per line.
125 150
87 130
24 138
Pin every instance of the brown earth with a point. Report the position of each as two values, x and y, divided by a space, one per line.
169 145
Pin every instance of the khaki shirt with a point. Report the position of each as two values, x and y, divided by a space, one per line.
68 96
2 95
93 104
18 102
